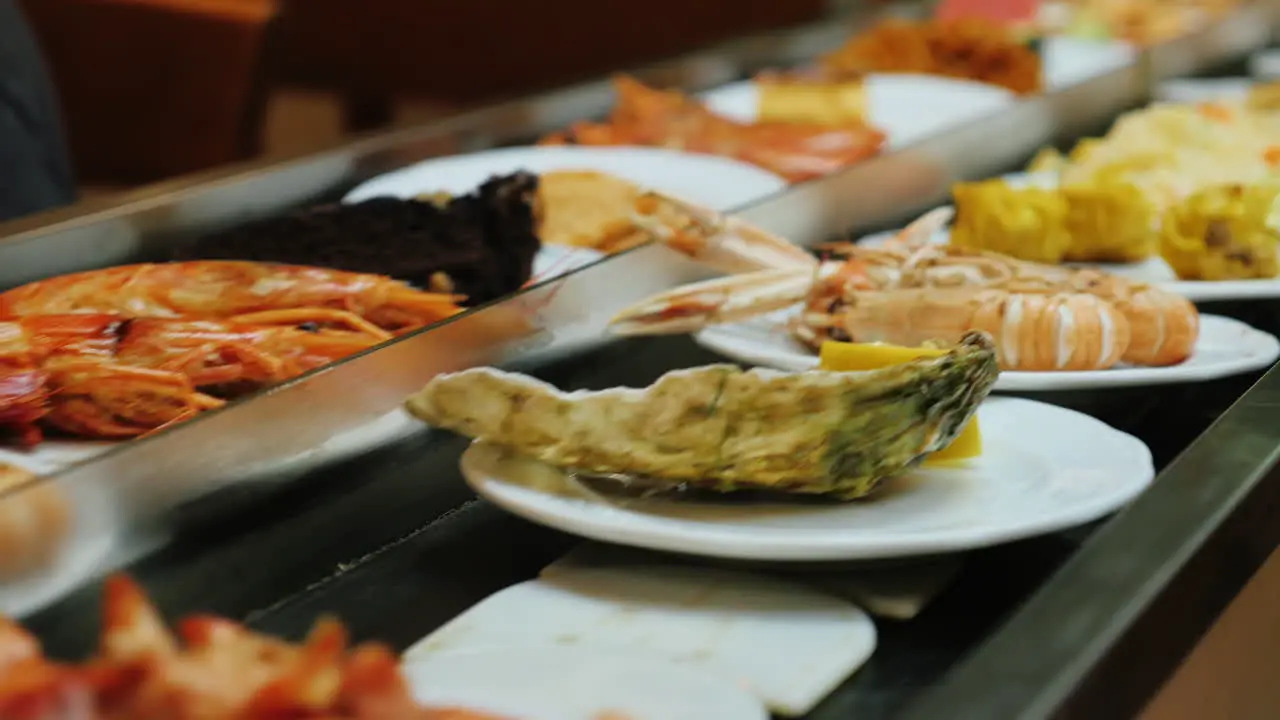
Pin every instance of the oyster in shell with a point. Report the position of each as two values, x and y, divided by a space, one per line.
724 429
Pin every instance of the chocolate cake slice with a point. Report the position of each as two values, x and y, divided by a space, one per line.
480 245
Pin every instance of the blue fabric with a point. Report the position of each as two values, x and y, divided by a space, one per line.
34 172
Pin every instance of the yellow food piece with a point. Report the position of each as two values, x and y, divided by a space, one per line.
1083 149
1226 232
1109 222
1264 97
821 103
857 357
585 208
1047 160
1173 150
1025 223
967 445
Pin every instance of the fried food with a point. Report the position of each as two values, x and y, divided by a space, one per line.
723 429
34 522
583 208
1224 233
1104 222
213 669
802 100
969 48
1027 223
1112 222
655 118
480 245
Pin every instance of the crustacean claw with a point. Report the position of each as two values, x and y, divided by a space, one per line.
722 300
717 241
919 231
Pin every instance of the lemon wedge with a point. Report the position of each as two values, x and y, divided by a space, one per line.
857 357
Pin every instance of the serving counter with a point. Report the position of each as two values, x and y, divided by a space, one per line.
306 499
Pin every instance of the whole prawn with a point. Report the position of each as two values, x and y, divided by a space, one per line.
252 292
1042 317
124 351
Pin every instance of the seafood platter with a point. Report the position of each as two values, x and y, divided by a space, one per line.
477 409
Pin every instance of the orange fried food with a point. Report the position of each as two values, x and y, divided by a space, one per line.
213 669
666 119
968 48
584 208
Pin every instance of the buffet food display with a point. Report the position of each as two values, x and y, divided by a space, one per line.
874 424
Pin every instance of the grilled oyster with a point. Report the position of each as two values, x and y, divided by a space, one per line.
720 428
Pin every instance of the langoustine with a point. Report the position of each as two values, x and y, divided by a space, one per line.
1042 318
120 352
212 669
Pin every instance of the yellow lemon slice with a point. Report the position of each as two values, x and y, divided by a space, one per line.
857 357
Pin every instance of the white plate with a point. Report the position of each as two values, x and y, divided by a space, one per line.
576 683
716 182
745 627
719 183
907 108
1153 270
1067 60
1044 469
1225 347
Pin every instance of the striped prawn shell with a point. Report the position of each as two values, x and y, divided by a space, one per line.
1060 331
1032 331
1163 326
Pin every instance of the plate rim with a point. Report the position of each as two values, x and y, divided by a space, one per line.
369 188
1136 457
1266 352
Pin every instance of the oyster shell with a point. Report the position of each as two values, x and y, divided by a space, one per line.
721 428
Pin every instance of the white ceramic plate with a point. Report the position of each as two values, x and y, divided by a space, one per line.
719 183
559 682
1153 270
1068 60
1044 468
907 108
716 182
745 627
1226 347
